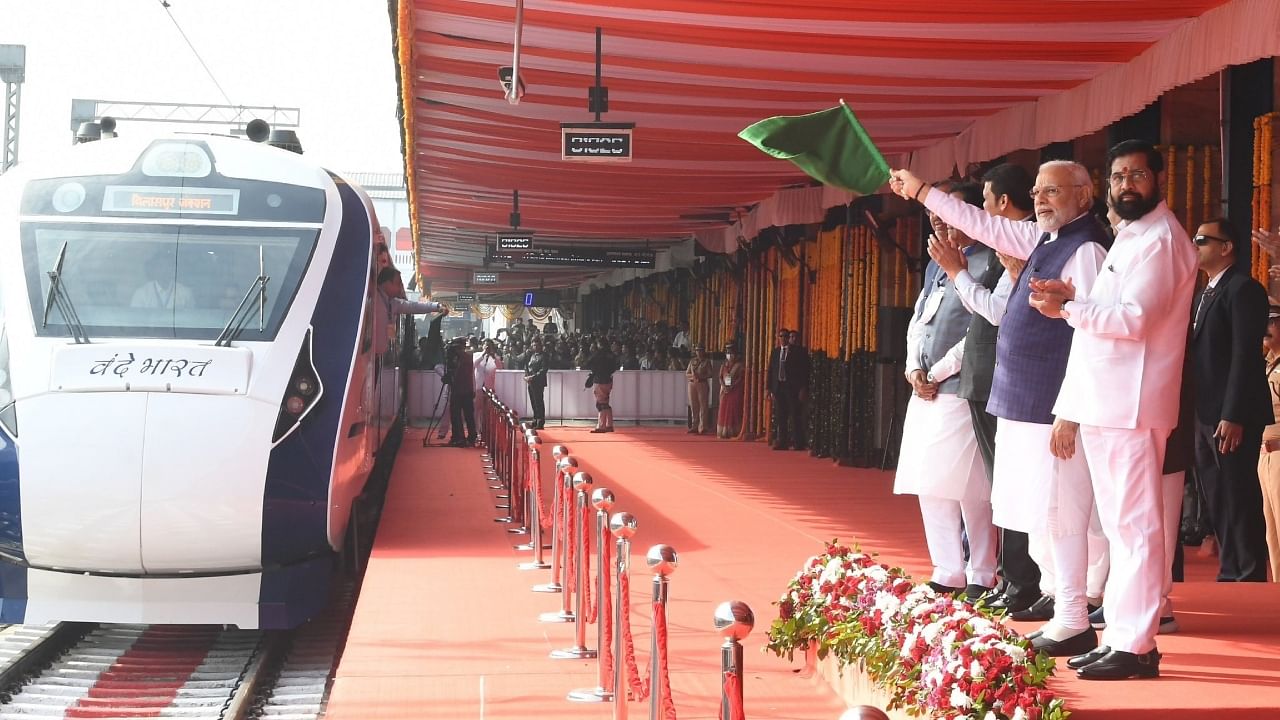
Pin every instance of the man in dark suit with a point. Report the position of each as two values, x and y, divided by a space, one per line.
1229 319
788 385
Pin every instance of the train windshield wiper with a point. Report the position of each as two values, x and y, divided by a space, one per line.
58 296
254 297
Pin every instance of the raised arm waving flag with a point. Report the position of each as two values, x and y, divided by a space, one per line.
830 146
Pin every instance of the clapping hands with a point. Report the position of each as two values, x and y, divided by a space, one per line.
1048 296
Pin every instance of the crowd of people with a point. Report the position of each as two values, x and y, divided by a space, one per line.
536 350
1066 373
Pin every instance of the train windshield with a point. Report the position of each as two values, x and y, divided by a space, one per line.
162 281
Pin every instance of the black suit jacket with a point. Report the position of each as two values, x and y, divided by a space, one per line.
1226 350
797 368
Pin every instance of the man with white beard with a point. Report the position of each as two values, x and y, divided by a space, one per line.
1033 491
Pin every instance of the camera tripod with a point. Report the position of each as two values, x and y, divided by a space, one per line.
436 419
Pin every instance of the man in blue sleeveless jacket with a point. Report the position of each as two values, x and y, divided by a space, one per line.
1049 498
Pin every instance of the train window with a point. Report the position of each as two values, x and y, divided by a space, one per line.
163 281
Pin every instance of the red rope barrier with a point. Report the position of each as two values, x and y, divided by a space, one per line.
570 569
606 613
589 608
637 689
733 691
557 521
545 517
660 632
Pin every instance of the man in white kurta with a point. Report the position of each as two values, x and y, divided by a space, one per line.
1125 364
939 461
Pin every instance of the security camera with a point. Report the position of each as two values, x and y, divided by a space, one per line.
511 91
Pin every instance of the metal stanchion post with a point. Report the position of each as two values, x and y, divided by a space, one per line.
509 469
533 474
734 620
662 560
535 513
499 439
561 454
491 444
623 527
602 500
581 486
515 445
486 436
561 541
520 484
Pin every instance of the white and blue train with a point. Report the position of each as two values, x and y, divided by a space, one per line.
190 396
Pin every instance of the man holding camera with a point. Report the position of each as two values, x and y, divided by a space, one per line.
460 376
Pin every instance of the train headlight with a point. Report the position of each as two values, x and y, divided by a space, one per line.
68 197
177 159
305 386
300 395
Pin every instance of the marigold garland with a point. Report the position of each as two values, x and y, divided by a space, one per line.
1263 151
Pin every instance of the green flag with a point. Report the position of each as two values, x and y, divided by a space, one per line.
830 146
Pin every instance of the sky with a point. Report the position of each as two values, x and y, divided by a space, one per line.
330 58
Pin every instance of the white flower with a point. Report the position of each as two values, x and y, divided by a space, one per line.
975 669
887 603
960 700
990 716
1019 714
1014 652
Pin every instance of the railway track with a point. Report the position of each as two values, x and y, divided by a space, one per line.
74 670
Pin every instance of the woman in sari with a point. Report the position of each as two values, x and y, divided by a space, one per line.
732 374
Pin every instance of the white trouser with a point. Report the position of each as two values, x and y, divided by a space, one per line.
946 523
1125 467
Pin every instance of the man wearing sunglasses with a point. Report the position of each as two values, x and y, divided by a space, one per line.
1229 320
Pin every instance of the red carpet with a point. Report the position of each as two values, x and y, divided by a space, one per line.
446 627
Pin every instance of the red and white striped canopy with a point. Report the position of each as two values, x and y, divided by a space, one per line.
935 83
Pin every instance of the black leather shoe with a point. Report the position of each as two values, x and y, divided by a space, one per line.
1041 609
974 592
1012 603
1098 619
1081 642
943 589
1120 665
1089 658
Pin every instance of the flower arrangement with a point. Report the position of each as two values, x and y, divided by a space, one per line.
934 655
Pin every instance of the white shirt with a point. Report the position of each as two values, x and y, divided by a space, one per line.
990 304
486 369
152 295
1131 329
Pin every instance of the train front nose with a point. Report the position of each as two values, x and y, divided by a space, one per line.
80 469
143 483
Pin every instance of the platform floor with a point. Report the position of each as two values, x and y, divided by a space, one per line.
446 626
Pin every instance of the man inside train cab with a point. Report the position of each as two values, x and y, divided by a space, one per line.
162 289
